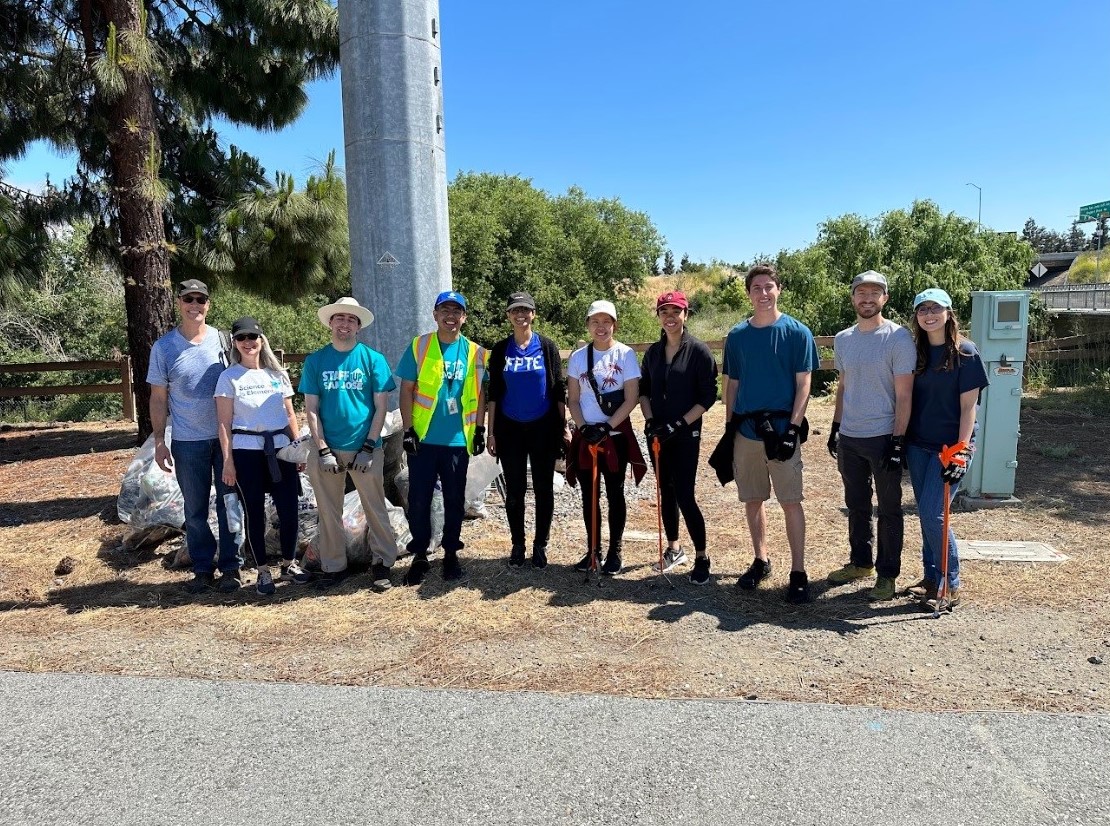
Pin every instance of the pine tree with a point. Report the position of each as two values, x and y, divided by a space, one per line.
668 263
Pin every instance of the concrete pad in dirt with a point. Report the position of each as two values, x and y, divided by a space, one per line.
121 751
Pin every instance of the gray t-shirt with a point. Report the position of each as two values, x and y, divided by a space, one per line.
259 404
867 362
190 371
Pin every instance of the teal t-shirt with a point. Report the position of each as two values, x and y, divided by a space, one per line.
345 384
446 429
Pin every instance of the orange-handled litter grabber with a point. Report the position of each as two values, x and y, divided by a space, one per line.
948 456
655 448
594 537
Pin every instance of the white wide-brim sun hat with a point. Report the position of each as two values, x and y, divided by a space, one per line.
345 305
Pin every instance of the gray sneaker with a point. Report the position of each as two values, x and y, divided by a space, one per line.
265 583
293 572
379 576
671 558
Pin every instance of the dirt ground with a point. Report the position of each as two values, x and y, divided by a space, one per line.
1027 637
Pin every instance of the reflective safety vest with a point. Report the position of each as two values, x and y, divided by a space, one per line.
429 378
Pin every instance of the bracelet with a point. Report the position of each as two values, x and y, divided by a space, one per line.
326 451
368 446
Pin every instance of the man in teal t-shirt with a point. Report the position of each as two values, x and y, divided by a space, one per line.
346 387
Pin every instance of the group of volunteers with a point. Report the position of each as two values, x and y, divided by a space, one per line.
902 400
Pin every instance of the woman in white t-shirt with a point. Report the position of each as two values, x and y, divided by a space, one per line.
255 411
600 400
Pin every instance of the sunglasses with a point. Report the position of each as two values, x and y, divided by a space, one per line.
936 309
247 337
194 299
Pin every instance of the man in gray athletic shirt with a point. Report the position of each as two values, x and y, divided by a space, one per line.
875 359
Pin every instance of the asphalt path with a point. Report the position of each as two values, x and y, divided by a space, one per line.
122 751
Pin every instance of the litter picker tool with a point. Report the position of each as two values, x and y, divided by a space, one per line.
655 449
948 456
594 537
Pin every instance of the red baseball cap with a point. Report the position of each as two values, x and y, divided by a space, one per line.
676 298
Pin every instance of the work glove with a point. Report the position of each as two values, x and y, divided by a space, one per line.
595 434
894 454
649 429
665 431
364 459
788 443
479 440
765 429
954 462
328 462
834 439
411 442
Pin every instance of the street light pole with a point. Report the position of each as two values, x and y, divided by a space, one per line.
979 222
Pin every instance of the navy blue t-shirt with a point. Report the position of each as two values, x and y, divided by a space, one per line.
935 412
525 377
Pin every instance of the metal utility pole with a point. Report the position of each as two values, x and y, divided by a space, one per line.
979 220
396 166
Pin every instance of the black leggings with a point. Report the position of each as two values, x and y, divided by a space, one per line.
679 460
614 495
517 444
252 482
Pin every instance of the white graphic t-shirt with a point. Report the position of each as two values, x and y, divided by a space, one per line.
259 397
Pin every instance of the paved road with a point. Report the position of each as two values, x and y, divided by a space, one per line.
123 751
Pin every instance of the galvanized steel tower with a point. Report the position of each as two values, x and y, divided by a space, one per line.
395 164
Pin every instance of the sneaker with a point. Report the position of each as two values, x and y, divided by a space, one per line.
229 582
797 592
293 572
671 558
700 574
329 579
264 585
585 564
612 565
850 573
199 583
452 570
379 576
539 557
516 557
759 570
883 590
418 569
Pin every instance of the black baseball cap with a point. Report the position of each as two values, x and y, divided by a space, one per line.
192 286
245 325
521 300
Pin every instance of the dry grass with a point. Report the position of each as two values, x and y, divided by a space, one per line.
1021 642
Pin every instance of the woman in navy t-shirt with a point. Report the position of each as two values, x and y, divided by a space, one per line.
947 381
527 415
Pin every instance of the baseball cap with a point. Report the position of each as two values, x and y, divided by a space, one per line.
602 307
521 300
192 286
245 325
934 294
870 277
675 298
449 296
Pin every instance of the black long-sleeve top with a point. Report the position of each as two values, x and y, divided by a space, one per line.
690 378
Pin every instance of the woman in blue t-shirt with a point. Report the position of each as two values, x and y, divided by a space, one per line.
527 415
947 380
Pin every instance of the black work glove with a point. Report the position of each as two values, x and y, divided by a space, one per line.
894 455
834 439
479 440
665 431
649 429
411 442
788 443
955 470
595 434
765 429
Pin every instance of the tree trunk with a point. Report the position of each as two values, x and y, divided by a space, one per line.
144 257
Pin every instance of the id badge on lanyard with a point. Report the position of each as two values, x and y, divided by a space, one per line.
452 405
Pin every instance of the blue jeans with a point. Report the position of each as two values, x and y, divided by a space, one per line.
449 465
928 489
195 464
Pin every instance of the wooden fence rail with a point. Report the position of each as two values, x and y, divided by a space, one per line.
123 387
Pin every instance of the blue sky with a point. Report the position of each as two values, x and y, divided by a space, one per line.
739 126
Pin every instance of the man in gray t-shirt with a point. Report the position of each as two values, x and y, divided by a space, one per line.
875 359
185 365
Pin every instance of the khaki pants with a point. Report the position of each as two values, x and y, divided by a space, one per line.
329 488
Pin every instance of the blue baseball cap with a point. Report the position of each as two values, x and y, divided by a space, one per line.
449 296
934 294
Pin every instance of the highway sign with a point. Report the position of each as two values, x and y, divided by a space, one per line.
1092 212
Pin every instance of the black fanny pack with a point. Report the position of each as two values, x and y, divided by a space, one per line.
608 402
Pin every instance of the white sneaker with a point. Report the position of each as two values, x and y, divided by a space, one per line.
293 572
671 558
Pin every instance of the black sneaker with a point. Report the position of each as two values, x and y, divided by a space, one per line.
452 570
700 574
199 583
612 565
516 557
760 569
418 569
586 562
379 576
539 557
797 592
329 580
229 582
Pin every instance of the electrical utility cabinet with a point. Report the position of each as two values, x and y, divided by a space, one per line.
1000 329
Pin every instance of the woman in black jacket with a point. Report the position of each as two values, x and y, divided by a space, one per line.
527 415
678 383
